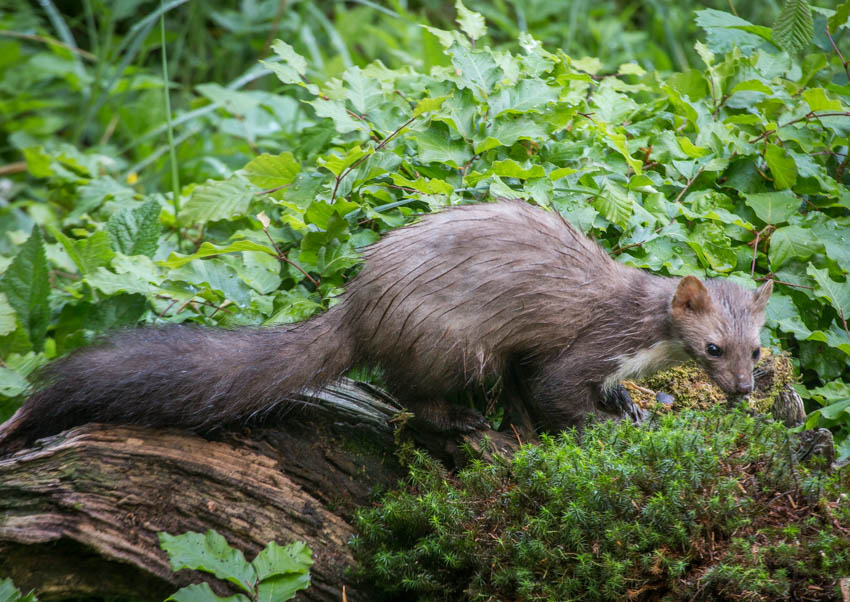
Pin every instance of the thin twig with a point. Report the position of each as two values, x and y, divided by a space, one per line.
791 284
688 185
359 161
838 52
286 259
806 117
844 322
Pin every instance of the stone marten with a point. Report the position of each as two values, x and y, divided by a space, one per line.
500 292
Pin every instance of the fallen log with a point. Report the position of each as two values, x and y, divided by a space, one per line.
80 511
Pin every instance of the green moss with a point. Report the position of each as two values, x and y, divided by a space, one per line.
699 505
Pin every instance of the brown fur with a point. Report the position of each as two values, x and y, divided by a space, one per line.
501 292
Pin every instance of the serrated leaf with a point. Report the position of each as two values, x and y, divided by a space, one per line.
89 253
793 30
290 58
782 167
272 171
471 23
792 242
335 110
614 204
202 592
12 383
773 207
218 276
217 199
207 249
111 283
475 69
8 321
27 287
837 293
364 93
709 240
136 231
336 164
209 552
435 145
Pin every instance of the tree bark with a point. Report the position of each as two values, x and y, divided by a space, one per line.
80 511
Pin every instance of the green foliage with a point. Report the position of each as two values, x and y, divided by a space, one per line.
9 593
695 506
734 168
276 574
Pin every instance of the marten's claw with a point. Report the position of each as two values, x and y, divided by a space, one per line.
618 401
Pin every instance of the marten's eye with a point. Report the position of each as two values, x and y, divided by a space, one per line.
756 354
713 350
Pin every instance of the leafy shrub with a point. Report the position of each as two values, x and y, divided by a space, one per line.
697 506
737 168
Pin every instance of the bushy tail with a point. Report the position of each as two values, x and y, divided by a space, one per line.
185 376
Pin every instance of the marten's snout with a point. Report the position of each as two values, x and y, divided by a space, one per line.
744 385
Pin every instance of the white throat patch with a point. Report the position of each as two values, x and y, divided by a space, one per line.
647 361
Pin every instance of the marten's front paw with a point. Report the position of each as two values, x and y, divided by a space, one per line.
618 401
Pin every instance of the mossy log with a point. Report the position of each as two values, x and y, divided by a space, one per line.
80 512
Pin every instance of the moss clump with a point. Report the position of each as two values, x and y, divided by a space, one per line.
698 505
692 388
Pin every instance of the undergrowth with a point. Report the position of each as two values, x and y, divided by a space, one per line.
700 506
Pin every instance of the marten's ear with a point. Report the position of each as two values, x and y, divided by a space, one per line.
691 297
761 296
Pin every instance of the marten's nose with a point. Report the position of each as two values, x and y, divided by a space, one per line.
744 385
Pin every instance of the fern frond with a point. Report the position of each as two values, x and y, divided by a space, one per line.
793 30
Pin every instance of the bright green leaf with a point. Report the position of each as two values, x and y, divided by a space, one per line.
207 249
217 199
773 207
272 171
27 286
782 167
210 553
135 231
471 23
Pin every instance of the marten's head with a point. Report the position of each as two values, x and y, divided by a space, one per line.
719 323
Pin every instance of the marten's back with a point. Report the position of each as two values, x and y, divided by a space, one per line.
471 286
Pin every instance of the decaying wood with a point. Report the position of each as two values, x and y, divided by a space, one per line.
80 512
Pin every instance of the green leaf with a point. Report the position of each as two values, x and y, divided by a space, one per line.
272 171
8 323
207 249
218 276
837 293
209 552
817 100
111 283
783 167
336 164
282 587
335 110
709 241
793 30
364 93
615 204
217 199
202 592
9 593
89 253
773 207
842 13
792 242
282 560
435 144
136 231
475 69
27 287
471 23
292 67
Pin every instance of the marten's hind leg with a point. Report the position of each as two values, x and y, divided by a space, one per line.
441 416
